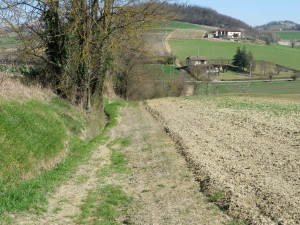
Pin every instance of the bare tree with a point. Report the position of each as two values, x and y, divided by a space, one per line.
78 41
293 43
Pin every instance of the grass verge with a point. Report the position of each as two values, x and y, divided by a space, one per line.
34 131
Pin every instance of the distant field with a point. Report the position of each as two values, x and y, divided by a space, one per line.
289 35
8 41
285 87
181 25
165 70
282 55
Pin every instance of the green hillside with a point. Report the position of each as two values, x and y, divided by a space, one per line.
282 55
42 142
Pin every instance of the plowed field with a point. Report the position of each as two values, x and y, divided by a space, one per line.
244 150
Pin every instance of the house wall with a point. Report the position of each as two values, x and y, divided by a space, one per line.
197 62
233 33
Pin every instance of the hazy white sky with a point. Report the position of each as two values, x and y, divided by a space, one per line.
254 12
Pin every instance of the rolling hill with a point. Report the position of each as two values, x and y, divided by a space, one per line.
279 25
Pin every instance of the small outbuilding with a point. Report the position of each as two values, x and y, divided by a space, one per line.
196 60
200 63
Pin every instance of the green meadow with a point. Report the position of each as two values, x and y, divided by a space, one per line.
9 41
289 35
163 70
278 87
282 55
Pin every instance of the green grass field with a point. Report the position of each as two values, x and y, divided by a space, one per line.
8 41
285 87
282 55
289 35
163 70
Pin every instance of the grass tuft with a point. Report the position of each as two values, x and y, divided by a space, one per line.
215 197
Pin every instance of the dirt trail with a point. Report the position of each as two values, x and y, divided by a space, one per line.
168 47
163 188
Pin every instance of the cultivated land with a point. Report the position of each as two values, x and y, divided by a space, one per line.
214 50
244 150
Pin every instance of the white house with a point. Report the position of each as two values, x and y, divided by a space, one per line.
229 33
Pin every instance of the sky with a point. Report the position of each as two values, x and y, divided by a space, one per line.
253 12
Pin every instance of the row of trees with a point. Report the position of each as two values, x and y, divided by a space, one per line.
80 43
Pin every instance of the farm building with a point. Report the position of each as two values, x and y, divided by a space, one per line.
228 33
201 62
196 60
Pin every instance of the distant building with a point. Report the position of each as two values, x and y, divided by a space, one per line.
196 60
201 62
227 33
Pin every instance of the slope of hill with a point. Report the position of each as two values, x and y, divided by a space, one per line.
209 17
279 25
42 137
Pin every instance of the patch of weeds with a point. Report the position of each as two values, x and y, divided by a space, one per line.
104 205
134 104
145 191
65 200
111 111
6 220
145 103
118 159
215 197
161 185
57 210
184 212
235 222
215 210
82 179
147 149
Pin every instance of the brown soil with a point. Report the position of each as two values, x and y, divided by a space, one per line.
251 155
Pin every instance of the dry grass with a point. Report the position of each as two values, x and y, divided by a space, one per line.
13 89
188 34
